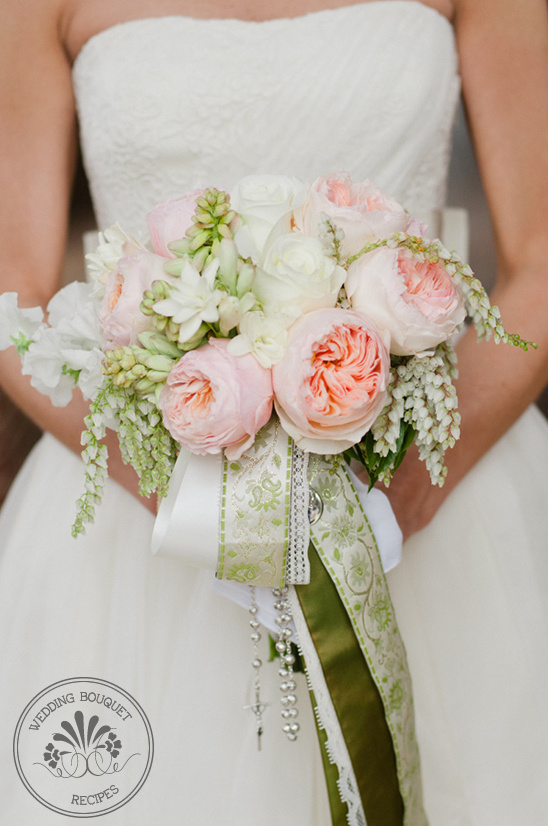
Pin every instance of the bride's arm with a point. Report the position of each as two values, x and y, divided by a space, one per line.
37 153
503 48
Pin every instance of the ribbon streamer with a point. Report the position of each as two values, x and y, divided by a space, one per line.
351 622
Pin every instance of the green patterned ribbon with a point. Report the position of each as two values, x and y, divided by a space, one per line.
255 509
351 620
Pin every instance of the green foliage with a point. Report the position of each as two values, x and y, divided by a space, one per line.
377 466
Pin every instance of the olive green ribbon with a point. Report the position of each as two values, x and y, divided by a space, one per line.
351 621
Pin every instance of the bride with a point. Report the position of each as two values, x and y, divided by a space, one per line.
176 94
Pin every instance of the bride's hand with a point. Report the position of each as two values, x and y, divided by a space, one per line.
410 494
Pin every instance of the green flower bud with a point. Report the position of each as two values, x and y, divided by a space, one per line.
158 375
173 267
199 239
137 372
155 362
157 343
200 258
180 247
224 230
144 386
127 362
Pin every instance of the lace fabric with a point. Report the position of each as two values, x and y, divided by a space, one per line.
298 567
300 97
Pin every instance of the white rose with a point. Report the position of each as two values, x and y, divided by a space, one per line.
297 276
262 201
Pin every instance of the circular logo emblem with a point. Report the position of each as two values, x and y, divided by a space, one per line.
83 747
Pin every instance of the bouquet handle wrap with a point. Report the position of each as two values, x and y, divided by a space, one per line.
246 519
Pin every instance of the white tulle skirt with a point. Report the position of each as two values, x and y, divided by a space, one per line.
471 597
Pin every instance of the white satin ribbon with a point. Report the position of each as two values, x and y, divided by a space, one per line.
187 524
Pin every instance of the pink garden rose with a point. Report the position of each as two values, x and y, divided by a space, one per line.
170 220
120 317
416 302
362 210
331 384
215 401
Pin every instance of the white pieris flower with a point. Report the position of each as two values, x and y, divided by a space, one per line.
16 321
193 299
264 337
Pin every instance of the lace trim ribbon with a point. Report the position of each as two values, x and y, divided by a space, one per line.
362 660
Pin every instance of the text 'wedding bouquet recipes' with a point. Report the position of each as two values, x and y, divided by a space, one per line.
322 302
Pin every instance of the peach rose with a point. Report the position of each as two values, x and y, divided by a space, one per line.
331 384
215 401
416 302
170 220
120 317
362 210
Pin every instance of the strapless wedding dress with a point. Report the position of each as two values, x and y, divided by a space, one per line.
171 104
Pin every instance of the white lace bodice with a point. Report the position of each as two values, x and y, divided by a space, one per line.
171 103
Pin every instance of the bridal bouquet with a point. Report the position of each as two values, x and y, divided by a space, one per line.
261 335
321 301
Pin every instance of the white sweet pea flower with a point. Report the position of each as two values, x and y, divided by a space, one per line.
262 201
75 313
263 336
16 322
88 366
297 275
44 362
68 352
193 299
